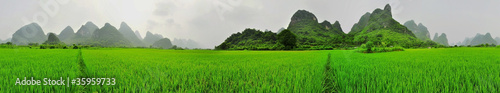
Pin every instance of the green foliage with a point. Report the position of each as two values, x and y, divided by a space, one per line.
7 45
305 25
250 39
288 39
418 70
369 46
380 28
388 38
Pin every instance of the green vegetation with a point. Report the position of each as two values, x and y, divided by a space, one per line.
207 71
377 27
251 39
309 32
419 70
39 64
288 39
412 70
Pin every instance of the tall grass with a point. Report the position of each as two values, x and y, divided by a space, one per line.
150 70
39 64
456 70
147 70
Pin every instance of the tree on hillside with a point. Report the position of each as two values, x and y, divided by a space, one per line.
369 46
288 39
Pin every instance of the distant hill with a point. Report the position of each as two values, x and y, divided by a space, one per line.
442 39
130 35
83 35
151 38
186 43
52 40
31 33
483 39
419 30
5 41
337 28
380 28
250 39
66 33
305 25
467 41
109 36
138 35
164 43
498 40
87 30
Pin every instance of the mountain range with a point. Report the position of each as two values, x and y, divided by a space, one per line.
305 25
151 38
498 40
91 34
130 34
185 43
31 33
379 27
419 30
441 39
480 39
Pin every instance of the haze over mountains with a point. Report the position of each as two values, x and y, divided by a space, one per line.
31 33
90 34
441 39
480 39
439 16
179 20
420 31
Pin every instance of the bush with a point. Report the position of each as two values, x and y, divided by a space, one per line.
288 39
364 49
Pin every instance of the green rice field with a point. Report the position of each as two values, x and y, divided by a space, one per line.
454 70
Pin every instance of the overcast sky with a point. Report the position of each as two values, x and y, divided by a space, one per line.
209 22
